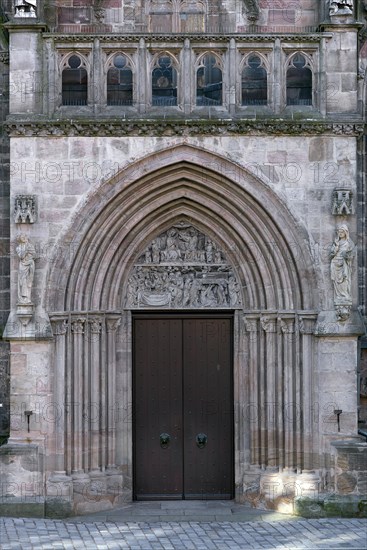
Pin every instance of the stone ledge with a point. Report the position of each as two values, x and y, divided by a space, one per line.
22 507
331 506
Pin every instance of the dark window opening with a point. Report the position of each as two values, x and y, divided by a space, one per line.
120 82
74 83
299 82
164 83
254 83
209 83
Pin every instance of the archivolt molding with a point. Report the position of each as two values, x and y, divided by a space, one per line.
268 252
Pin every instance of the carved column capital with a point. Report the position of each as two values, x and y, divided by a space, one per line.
95 325
113 324
60 327
251 324
306 324
77 325
268 324
287 326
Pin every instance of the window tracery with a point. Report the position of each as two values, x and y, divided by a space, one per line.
120 81
74 80
299 80
209 81
164 81
254 81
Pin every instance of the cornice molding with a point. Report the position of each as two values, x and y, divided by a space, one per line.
166 128
177 37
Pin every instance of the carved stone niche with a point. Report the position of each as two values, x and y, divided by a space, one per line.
25 209
342 202
182 268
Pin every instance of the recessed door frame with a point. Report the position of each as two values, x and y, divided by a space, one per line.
208 314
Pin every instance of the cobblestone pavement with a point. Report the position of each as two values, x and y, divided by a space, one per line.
292 534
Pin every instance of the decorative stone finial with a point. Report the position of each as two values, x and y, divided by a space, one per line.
340 7
25 8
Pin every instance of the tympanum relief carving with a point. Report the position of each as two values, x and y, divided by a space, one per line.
182 268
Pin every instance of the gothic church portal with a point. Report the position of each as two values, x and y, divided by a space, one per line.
187 295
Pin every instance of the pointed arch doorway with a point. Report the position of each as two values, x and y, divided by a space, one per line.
268 283
182 367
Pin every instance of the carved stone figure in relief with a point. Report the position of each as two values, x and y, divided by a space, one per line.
182 267
341 254
340 7
342 202
25 8
26 253
25 209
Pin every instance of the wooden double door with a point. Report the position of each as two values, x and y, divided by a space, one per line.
183 407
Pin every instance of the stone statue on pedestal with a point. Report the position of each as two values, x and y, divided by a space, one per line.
341 255
26 253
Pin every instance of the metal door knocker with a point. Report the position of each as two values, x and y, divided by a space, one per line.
164 440
201 440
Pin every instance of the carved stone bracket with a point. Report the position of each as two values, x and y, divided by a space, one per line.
95 325
25 209
182 268
342 202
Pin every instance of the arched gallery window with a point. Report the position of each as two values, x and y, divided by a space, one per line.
299 81
254 82
164 82
120 81
74 82
209 83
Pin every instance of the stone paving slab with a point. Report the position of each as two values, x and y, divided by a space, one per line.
43 534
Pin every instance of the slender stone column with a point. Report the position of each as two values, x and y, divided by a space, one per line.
140 77
186 77
230 100
307 328
94 405
292 393
77 328
289 394
269 325
253 407
60 330
112 326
